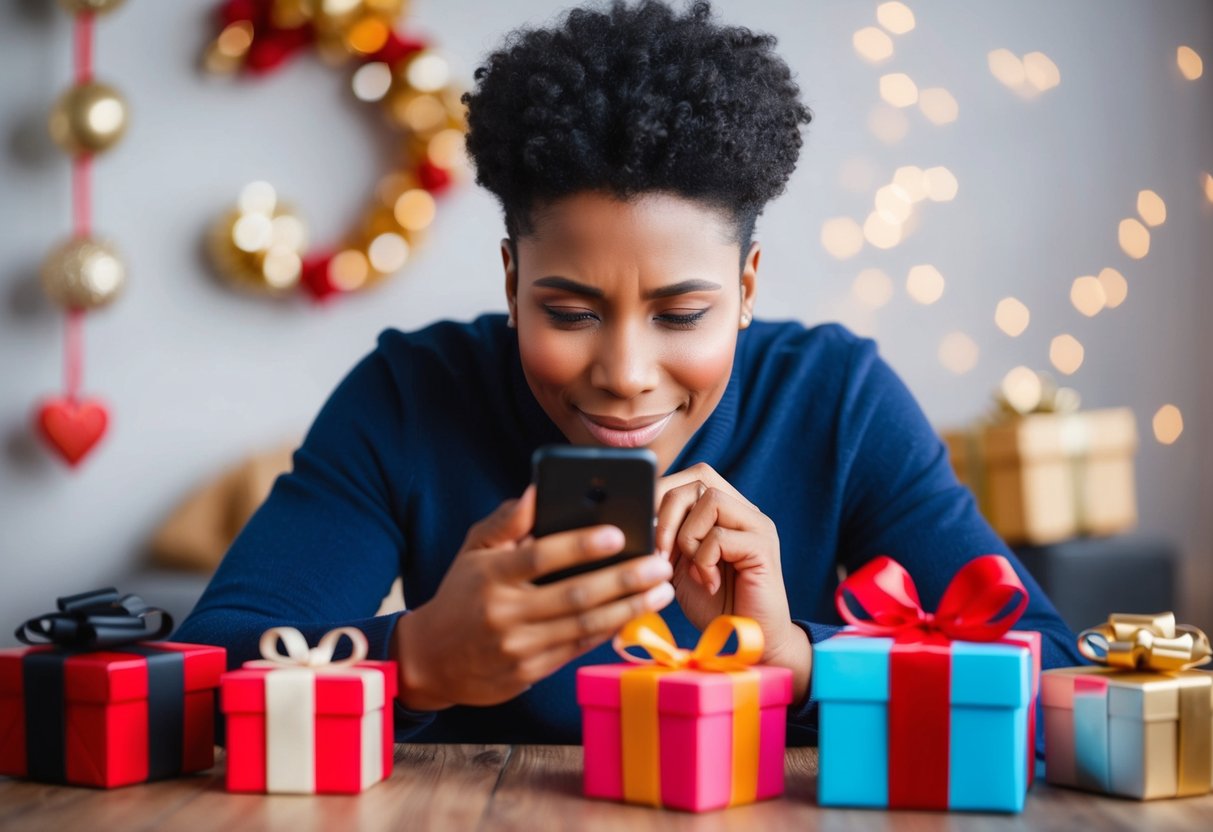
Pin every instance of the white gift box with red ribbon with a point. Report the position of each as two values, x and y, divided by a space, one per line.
301 723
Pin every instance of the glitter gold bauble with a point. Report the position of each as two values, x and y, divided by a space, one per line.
88 118
83 273
90 6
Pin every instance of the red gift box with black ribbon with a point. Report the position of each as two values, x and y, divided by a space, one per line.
95 708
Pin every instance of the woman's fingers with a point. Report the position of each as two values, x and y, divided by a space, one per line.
598 623
585 592
559 551
713 508
671 513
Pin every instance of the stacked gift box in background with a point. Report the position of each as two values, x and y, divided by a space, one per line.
1058 484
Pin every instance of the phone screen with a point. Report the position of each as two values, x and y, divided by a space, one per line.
578 486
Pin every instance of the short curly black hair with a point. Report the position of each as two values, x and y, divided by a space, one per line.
635 99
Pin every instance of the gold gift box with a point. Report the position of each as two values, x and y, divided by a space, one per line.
1140 724
1045 477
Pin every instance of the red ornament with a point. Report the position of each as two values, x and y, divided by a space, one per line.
316 279
433 178
73 427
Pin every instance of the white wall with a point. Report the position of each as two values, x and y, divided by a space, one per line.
197 375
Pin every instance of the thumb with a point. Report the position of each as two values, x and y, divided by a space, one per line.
512 521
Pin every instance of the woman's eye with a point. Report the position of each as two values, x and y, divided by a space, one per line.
568 316
682 320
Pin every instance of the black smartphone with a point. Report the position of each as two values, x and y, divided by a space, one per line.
578 486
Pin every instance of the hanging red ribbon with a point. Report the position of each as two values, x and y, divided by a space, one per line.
982 603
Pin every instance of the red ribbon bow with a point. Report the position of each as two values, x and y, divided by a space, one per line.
983 602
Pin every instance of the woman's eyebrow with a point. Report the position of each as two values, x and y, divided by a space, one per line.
672 290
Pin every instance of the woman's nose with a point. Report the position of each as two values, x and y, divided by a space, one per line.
625 365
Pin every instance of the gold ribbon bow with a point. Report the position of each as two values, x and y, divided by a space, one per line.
638 698
1145 642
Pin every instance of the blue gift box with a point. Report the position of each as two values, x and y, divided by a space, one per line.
991 714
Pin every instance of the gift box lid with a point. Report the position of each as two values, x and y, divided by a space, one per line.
998 674
340 690
1145 697
685 692
105 676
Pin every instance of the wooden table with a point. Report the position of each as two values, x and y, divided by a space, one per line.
533 788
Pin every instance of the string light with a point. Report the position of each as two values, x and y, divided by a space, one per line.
1168 424
1012 316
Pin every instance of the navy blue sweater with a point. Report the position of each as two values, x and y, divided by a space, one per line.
435 428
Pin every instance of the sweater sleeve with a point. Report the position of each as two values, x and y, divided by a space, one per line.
324 548
901 498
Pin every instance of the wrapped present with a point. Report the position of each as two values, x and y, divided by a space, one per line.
1050 472
94 704
301 723
928 711
685 729
1140 724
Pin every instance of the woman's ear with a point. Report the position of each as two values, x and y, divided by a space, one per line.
511 281
749 284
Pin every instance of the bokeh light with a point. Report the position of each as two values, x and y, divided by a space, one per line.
1190 64
1021 388
388 252
1134 238
898 89
941 184
958 353
881 232
1012 316
894 204
1006 66
925 284
1151 208
938 105
1088 295
910 179
1066 354
1168 424
873 45
349 269
896 17
1208 181
372 81
841 237
1040 71
872 288
1115 287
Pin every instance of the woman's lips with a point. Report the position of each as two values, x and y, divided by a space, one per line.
634 438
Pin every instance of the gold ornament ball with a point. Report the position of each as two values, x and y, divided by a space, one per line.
83 273
88 118
91 6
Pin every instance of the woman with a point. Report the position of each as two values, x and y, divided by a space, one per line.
632 150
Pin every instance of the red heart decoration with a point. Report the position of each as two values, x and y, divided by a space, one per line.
72 427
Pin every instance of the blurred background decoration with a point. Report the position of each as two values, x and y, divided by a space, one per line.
82 272
991 190
261 244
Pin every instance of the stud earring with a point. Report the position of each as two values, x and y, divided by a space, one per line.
745 318
510 321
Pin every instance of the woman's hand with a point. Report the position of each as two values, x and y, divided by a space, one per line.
488 633
725 554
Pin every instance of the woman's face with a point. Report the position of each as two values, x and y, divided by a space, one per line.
627 315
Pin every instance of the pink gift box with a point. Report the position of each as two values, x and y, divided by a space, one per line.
695 734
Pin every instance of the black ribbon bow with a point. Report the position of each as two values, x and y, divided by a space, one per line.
96 620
